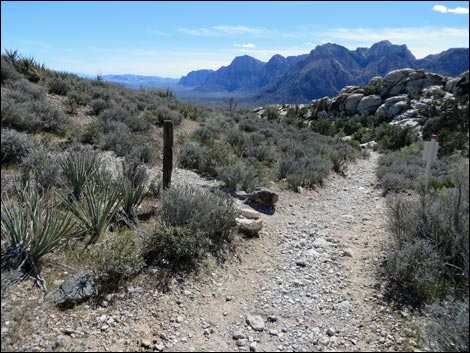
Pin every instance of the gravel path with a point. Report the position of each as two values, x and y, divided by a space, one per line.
309 283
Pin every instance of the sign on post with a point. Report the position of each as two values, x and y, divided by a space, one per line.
430 155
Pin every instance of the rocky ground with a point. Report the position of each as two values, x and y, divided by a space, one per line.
310 282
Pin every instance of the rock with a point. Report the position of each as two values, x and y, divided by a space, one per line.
369 104
274 332
253 347
241 342
159 347
256 322
272 318
343 305
241 195
331 331
312 252
146 343
301 262
74 289
179 319
250 227
321 243
249 213
237 335
352 102
264 197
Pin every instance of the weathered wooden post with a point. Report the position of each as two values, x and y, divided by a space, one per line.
429 155
167 152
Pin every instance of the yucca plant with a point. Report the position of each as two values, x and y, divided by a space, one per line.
32 229
79 167
132 197
96 210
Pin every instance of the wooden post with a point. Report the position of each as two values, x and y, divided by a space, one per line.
167 152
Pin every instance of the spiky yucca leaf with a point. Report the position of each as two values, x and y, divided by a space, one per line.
132 197
32 229
96 209
79 167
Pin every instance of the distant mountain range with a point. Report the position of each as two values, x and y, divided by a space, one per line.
299 79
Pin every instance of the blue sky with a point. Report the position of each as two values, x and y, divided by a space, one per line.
170 39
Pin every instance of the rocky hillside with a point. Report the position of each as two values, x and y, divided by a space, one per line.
400 97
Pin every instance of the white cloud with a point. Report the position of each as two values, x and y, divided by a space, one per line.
222 30
445 9
245 45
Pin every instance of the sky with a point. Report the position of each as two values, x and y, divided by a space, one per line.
172 38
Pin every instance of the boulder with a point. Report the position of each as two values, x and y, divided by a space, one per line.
74 289
250 227
264 197
369 104
397 75
352 101
397 108
249 213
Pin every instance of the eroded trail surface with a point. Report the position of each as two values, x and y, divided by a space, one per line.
311 278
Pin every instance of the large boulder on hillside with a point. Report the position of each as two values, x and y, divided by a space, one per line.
352 101
459 84
369 104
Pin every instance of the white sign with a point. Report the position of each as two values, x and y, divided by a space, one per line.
430 150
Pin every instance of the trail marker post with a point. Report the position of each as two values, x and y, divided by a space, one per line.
430 155
167 152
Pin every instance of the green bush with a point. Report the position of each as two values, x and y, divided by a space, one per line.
57 85
117 261
393 137
306 171
180 247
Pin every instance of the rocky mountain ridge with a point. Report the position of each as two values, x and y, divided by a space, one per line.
398 97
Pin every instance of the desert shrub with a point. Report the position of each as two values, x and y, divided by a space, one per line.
179 247
248 124
415 267
239 176
15 146
33 116
448 329
58 85
440 218
214 157
324 126
116 137
400 171
271 112
8 72
42 166
393 137
116 261
98 105
164 113
191 155
303 170
200 210
207 133
24 91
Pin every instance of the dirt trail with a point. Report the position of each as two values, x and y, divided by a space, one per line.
311 277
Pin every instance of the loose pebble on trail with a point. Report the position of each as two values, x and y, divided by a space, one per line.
310 282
